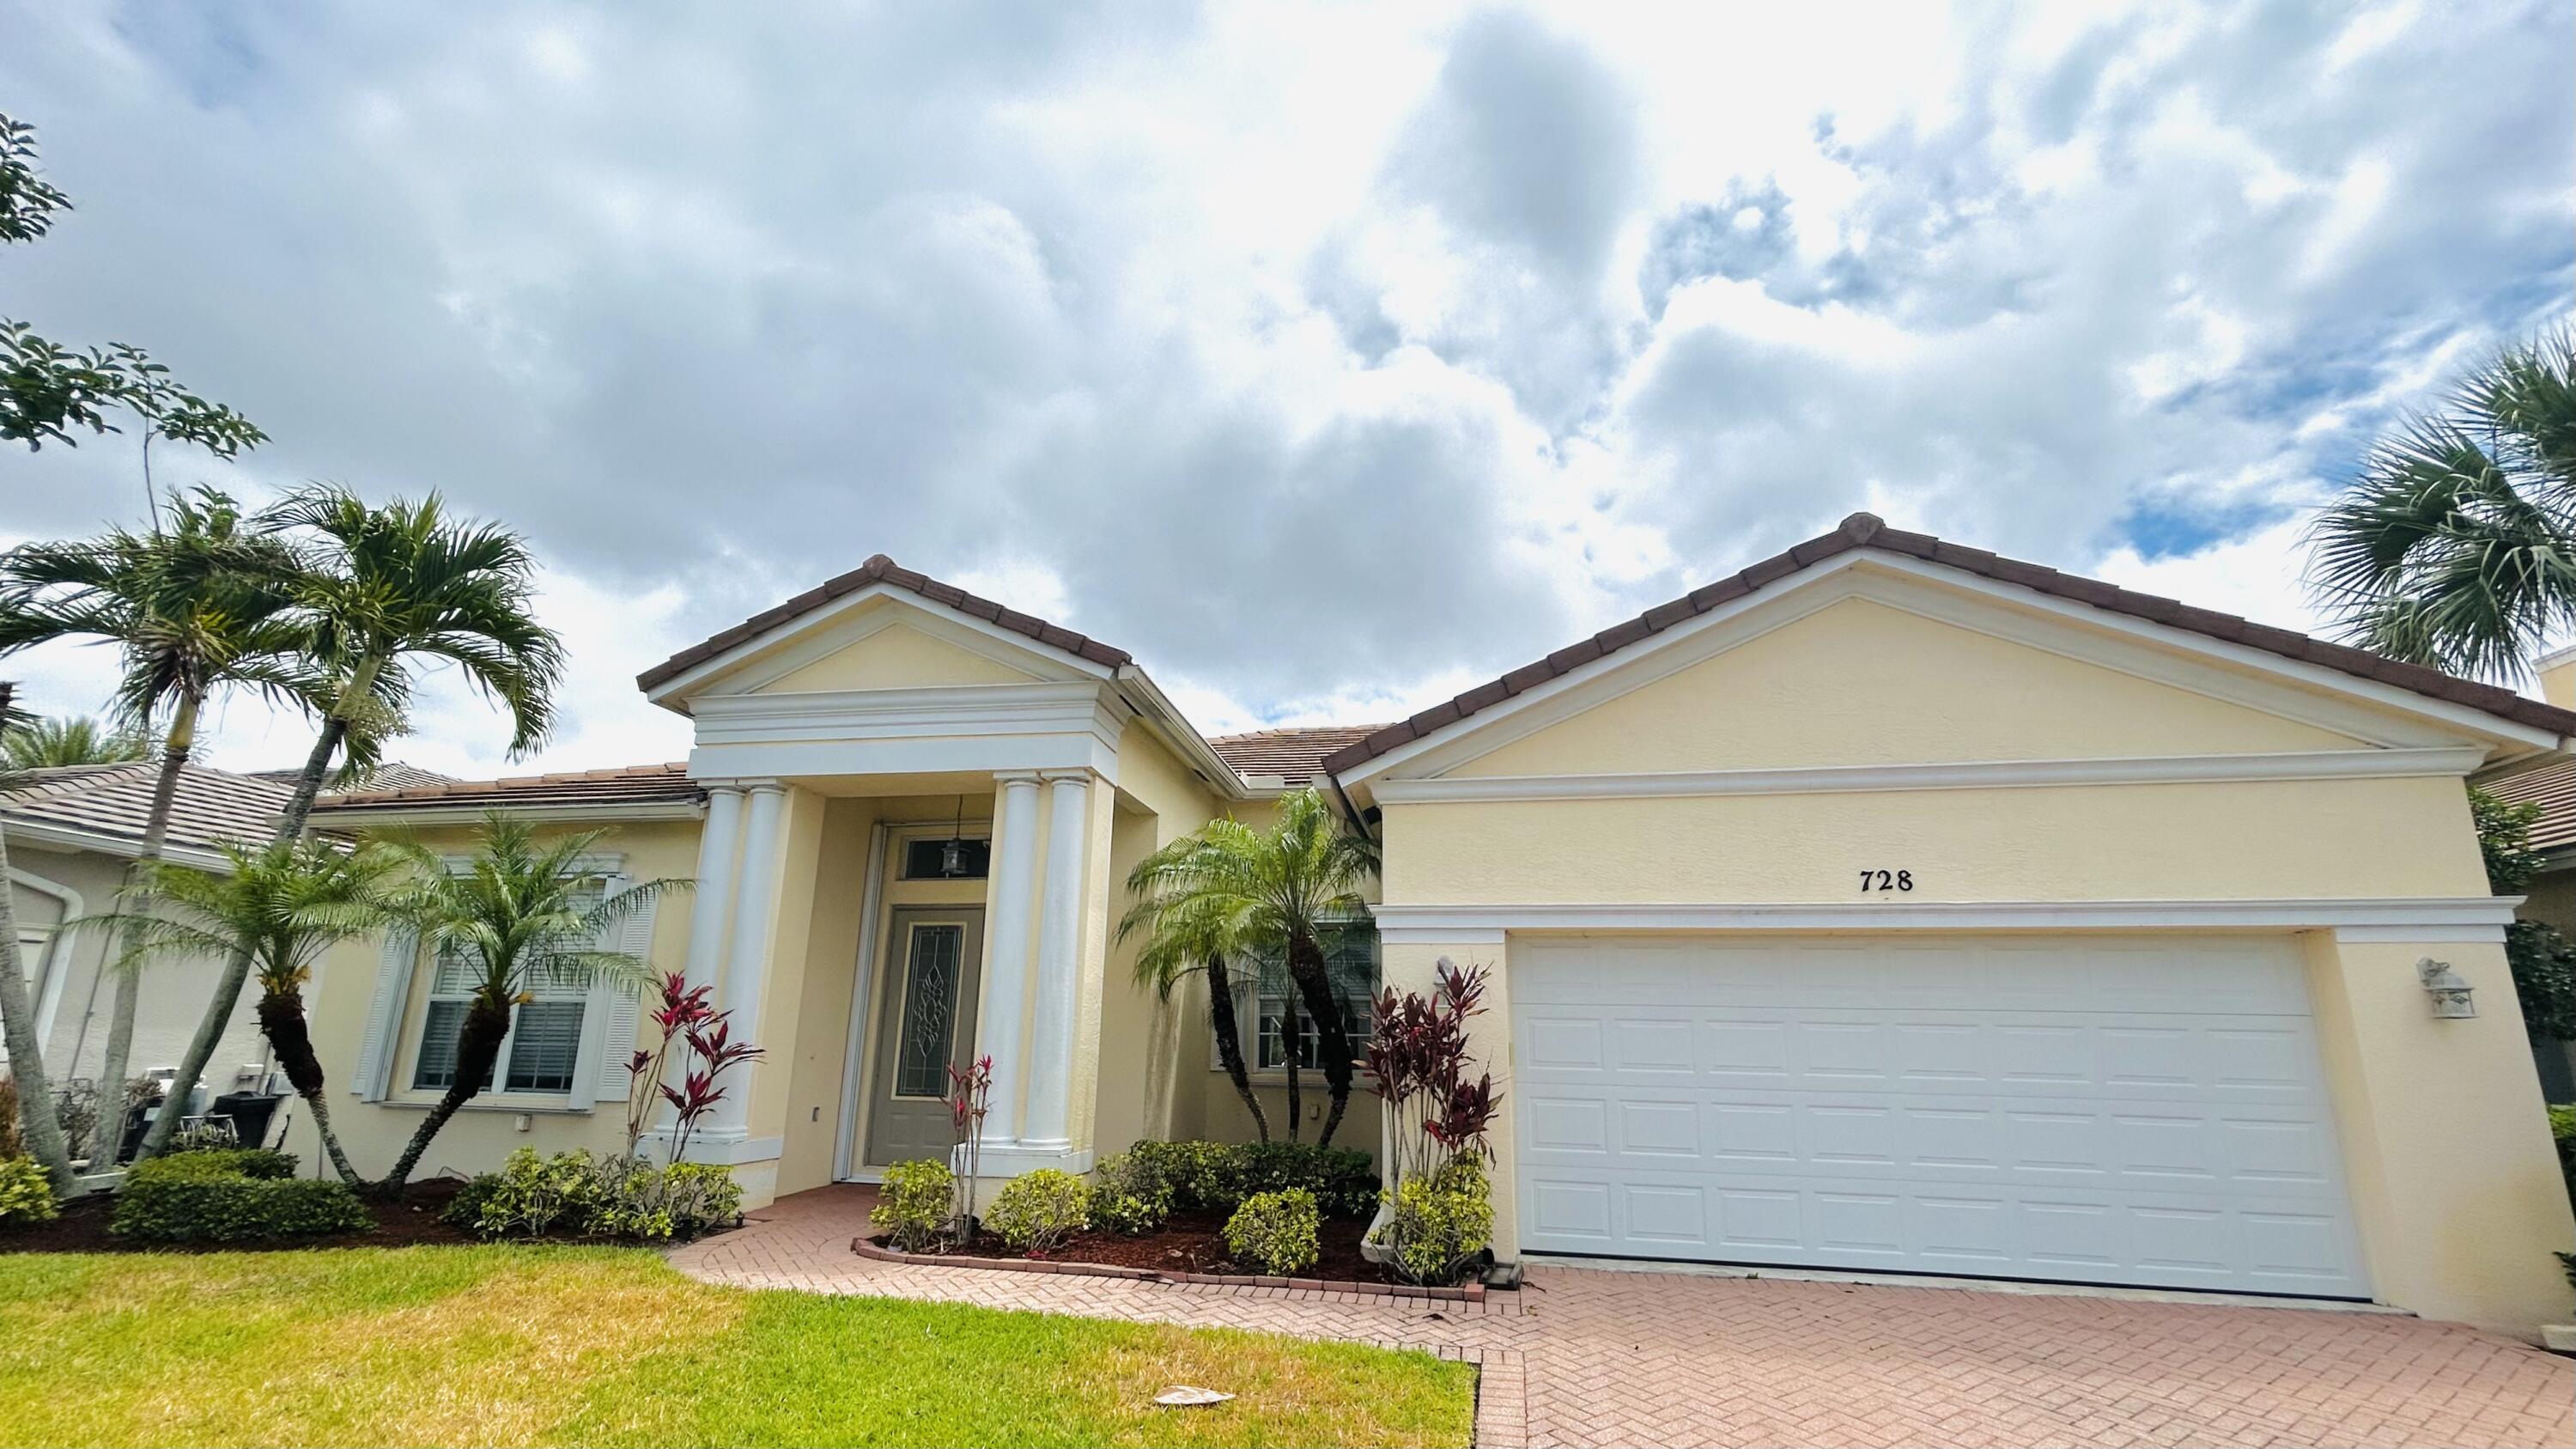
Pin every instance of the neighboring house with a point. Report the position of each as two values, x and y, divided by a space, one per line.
74 832
1887 906
2552 897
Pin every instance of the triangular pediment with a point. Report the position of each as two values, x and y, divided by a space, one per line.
887 639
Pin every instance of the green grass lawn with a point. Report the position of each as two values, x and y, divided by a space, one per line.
512 1345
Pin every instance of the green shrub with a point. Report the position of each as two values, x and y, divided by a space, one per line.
26 1193
1275 1231
1441 1222
465 1209
1204 1177
248 1161
914 1203
699 1196
531 1195
1129 1196
212 1197
1036 1211
1343 1181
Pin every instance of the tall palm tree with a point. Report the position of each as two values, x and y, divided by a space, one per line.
1188 935
53 742
518 914
292 900
1284 892
2456 546
387 589
195 606
41 1129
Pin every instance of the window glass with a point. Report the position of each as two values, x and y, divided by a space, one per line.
928 860
929 1029
544 1042
1352 967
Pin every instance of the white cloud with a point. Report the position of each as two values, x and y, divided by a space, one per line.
1328 358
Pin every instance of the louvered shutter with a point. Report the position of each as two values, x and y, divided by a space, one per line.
615 1010
376 1052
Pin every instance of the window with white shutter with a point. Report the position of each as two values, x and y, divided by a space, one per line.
543 1048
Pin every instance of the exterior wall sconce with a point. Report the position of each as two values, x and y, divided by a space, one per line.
2450 992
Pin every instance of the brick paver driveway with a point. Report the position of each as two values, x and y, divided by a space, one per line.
1591 1357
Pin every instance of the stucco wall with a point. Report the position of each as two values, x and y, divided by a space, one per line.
489 1128
175 991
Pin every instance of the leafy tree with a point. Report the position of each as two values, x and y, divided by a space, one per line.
1286 891
518 912
47 390
387 590
195 607
38 1126
56 741
2456 547
2543 960
292 901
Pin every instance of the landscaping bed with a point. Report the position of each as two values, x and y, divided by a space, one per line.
1186 1243
82 1228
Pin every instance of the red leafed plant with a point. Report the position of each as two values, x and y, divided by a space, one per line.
1418 1055
706 1036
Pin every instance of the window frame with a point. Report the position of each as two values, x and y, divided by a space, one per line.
609 873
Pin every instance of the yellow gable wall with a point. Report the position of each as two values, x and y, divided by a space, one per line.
1860 683
898 657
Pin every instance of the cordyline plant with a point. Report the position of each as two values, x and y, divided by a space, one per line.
707 1036
1419 1059
970 1095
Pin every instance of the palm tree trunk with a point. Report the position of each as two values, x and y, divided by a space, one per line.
228 987
281 1020
1332 1038
1290 1030
478 1046
110 1132
1229 1041
42 1129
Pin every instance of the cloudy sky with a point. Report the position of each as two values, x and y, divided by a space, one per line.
1328 358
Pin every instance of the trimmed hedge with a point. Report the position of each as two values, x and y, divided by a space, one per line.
1216 1177
231 1196
26 1192
1275 1232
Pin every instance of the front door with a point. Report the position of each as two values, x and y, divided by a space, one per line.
925 1025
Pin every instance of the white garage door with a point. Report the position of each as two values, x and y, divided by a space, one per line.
2085 1110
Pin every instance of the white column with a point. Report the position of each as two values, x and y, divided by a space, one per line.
714 891
1006 952
1059 965
747 963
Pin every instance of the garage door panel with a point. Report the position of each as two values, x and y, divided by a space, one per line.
2187 1149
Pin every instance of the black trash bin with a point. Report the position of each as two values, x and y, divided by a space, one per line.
251 1113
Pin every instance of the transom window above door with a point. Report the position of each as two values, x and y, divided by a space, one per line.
964 858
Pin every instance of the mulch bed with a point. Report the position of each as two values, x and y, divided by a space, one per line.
1192 1243
82 1228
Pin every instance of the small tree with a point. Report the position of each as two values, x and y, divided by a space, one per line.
2543 960
518 912
1418 1059
52 743
970 1097
292 901
41 1129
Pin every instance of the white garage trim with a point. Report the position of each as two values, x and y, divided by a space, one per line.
2151 1112
2457 918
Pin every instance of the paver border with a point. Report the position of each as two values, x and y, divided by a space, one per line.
1469 1293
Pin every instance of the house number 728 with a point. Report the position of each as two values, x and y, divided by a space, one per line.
1887 880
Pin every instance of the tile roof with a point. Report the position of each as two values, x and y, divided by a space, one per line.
883 570
630 785
1868 531
1296 754
391 775
2553 787
115 801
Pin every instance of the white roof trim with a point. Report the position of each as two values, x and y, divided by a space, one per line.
73 837
1973 775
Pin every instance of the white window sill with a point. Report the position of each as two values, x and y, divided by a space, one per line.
532 1106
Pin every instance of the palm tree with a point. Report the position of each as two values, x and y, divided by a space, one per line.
1187 935
385 588
518 913
292 900
195 606
2456 547
1283 892
42 1130
53 742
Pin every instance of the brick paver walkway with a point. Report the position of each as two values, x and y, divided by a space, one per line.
1585 1357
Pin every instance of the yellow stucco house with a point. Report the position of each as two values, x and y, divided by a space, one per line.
1888 906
